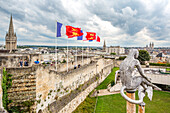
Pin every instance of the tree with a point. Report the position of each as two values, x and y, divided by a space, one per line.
112 53
143 56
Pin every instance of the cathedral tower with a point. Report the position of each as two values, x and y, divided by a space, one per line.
11 38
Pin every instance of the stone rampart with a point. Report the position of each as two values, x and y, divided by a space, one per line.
73 81
45 87
72 105
23 86
0 88
12 59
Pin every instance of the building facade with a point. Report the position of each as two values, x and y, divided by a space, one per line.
115 49
11 38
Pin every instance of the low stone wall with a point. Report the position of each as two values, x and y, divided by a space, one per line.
12 59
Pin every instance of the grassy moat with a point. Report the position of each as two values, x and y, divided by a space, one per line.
116 104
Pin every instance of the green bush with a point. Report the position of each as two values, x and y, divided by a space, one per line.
158 64
112 53
122 57
64 61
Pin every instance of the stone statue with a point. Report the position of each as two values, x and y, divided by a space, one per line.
131 83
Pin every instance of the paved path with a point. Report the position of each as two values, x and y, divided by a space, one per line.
112 90
103 92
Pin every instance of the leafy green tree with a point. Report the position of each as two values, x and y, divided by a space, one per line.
122 57
64 61
143 56
112 53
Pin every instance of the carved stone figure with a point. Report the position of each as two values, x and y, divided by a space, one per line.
131 83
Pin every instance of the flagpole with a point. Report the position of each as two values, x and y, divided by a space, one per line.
76 56
87 54
55 49
82 55
67 55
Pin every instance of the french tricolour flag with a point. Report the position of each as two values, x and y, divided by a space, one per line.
61 30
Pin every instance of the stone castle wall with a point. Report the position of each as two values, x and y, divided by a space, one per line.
45 86
12 59
63 67
58 85
0 88
68 107
23 85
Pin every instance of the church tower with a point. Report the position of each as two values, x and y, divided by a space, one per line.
11 38
104 46
152 45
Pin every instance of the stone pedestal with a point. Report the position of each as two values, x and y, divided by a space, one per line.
130 108
140 110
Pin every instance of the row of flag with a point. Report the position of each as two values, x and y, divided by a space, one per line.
75 32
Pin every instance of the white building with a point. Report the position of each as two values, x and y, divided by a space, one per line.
115 49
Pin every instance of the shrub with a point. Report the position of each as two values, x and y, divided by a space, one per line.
112 53
122 57
158 64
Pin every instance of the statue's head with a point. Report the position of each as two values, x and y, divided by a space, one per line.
134 53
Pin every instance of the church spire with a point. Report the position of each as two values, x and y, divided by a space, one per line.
11 28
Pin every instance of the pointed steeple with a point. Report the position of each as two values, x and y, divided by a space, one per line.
11 38
11 28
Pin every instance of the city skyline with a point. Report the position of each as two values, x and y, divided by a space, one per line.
122 23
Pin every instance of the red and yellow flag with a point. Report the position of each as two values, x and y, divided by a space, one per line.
91 36
73 32
98 39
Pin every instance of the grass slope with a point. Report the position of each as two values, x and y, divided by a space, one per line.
108 80
87 106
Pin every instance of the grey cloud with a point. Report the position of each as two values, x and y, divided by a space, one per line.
129 16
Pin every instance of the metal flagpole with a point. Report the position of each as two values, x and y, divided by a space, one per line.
56 49
82 55
76 56
67 55
87 54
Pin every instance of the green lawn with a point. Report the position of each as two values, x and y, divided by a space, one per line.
108 80
167 69
116 104
110 104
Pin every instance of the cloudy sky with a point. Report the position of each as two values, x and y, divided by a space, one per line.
118 22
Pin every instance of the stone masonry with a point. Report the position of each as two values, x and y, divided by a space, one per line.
43 86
